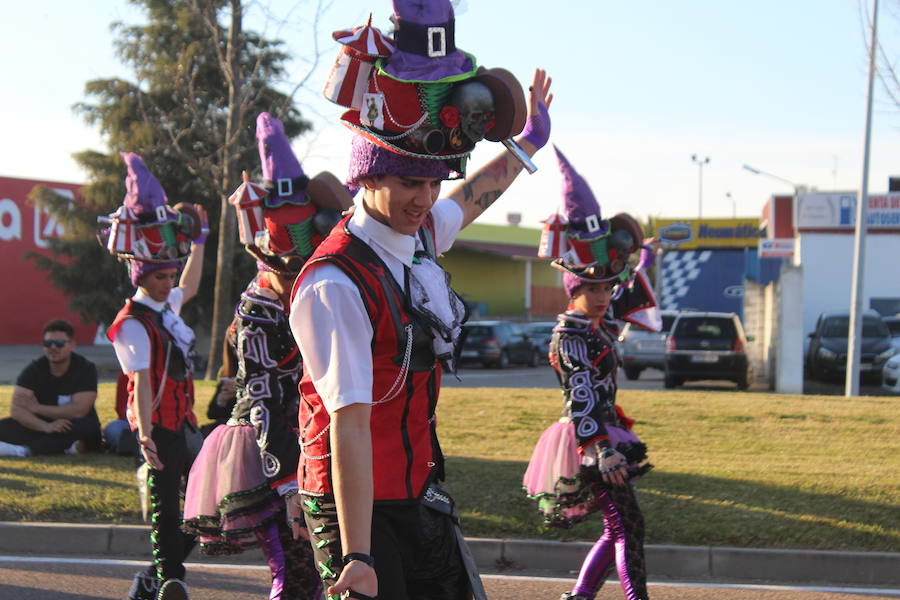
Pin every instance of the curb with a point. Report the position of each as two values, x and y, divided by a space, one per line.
492 555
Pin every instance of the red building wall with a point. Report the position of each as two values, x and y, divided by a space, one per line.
27 298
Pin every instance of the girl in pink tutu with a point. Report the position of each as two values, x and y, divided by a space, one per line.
584 463
242 492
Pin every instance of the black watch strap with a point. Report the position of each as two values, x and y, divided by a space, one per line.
366 558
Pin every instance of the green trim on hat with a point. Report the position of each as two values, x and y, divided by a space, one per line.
301 235
451 79
599 250
434 98
167 232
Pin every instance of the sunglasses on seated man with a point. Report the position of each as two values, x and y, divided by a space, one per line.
57 343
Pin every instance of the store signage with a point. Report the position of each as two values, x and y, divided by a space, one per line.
776 248
685 234
837 210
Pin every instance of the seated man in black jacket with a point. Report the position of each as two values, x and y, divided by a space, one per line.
52 408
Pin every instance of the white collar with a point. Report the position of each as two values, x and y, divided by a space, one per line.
146 300
399 245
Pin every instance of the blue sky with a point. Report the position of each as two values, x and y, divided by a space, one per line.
640 87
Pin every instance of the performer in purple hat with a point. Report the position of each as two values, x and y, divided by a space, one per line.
376 321
154 347
586 461
242 492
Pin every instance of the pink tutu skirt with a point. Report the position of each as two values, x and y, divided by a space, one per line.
565 492
228 498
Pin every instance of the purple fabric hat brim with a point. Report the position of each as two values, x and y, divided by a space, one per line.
369 160
139 268
413 67
572 281
143 192
276 157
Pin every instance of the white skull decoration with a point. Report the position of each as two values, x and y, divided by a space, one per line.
475 104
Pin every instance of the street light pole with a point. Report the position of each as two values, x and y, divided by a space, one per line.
728 196
854 336
700 163
756 171
796 187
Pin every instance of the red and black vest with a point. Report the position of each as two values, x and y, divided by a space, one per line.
406 455
176 403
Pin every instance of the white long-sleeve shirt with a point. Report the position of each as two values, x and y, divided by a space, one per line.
330 322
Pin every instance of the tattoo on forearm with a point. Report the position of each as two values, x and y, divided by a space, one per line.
496 171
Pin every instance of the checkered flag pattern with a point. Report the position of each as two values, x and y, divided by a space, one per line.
679 269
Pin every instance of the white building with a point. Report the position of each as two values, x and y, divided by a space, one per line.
821 227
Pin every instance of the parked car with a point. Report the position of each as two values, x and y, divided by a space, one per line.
890 374
540 333
498 344
893 325
707 345
642 349
827 356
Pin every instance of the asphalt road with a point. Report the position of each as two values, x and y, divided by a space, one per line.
650 379
40 578
544 377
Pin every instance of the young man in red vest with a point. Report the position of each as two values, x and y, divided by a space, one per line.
375 318
154 346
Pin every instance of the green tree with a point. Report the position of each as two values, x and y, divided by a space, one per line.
200 79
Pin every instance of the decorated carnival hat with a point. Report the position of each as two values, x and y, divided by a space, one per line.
145 230
585 245
423 98
282 221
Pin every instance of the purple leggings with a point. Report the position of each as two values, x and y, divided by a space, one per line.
274 553
621 546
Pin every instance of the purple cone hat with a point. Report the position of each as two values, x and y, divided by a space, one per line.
143 192
426 50
595 249
579 203
283 175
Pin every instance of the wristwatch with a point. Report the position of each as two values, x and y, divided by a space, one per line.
366 558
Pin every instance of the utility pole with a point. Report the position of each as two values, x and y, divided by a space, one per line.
700 162
854 341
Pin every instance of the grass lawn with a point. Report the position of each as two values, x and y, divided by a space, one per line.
736 469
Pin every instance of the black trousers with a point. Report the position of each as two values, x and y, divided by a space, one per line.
415 550
87 429
169 543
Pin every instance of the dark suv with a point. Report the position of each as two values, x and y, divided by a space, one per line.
827 356
497 344
707 345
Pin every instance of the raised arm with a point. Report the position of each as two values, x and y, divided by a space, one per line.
193 269
483 188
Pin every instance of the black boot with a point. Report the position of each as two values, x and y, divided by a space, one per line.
144 587
173 589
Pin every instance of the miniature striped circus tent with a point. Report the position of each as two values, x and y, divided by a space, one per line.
248 199
123 235
349 78
553 237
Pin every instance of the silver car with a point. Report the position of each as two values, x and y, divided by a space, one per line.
642 349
